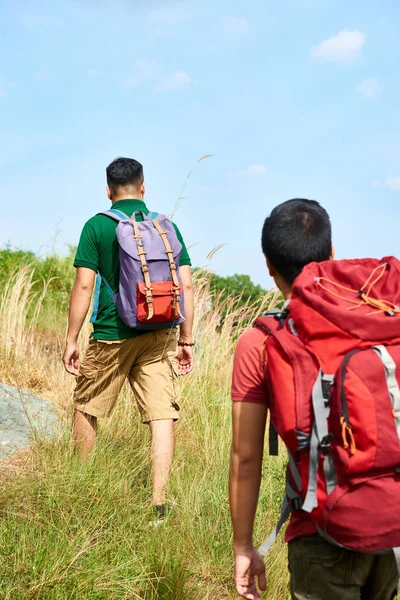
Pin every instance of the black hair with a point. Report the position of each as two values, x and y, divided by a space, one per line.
296 233
123 172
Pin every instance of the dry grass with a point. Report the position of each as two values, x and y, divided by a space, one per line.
71 529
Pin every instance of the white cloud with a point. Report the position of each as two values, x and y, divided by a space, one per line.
178 81
234 24
344 47
370 88
254 170
393 183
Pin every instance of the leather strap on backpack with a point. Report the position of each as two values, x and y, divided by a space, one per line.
176 303
145 270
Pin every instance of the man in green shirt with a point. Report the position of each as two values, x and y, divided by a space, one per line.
151 361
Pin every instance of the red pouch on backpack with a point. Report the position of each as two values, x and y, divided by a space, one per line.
163 300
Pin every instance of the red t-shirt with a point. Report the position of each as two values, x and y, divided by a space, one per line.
249 385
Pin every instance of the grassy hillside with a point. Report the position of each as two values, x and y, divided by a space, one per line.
74 530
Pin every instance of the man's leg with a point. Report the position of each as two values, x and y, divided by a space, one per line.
162 452
101 377
383 580
154 381
84 431
321 571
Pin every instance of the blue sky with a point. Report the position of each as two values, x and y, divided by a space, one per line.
298 98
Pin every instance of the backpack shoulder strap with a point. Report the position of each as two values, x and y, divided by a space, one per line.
96 298
272 320
273 440
115 214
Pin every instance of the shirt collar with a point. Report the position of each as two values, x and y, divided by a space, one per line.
130 203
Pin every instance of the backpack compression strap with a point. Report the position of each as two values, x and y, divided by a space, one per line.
145 270
144 265
176 287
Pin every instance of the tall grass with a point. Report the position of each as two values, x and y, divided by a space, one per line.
80 530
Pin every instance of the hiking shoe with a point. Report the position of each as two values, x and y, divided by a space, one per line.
160 512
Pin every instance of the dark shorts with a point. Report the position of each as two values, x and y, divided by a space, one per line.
321 571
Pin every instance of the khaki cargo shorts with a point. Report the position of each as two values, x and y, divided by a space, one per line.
148 361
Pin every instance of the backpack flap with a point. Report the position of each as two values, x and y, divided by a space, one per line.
151 239
338 306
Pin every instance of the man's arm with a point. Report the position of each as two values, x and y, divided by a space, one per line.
78 309
248 429
185 353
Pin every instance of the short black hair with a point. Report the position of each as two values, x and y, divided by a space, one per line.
296 233
123 172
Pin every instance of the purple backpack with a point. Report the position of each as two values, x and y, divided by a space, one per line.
150 294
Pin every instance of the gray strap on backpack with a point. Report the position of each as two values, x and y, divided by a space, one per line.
319 441
285 513
393 386
291 497
294 471
310 501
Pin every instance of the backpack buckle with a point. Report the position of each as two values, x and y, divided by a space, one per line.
296 503
326 443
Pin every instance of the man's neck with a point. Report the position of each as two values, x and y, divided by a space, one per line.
285 288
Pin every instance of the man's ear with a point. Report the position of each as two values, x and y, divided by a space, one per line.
333 252
142 189
271 269
108 192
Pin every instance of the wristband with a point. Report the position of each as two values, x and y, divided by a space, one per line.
182 344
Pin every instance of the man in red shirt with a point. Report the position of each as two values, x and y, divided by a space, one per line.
296 233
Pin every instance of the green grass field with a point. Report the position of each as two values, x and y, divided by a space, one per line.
80 530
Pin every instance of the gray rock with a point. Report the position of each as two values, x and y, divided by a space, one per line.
24 418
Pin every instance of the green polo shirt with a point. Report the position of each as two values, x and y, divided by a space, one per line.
98 250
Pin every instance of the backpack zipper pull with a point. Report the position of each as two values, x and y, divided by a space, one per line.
347 434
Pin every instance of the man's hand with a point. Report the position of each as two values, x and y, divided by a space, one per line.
248 566
78 308
185 359
71 358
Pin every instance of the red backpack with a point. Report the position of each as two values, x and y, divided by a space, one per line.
333 372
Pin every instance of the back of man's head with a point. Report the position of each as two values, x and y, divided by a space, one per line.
296 233
124 173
